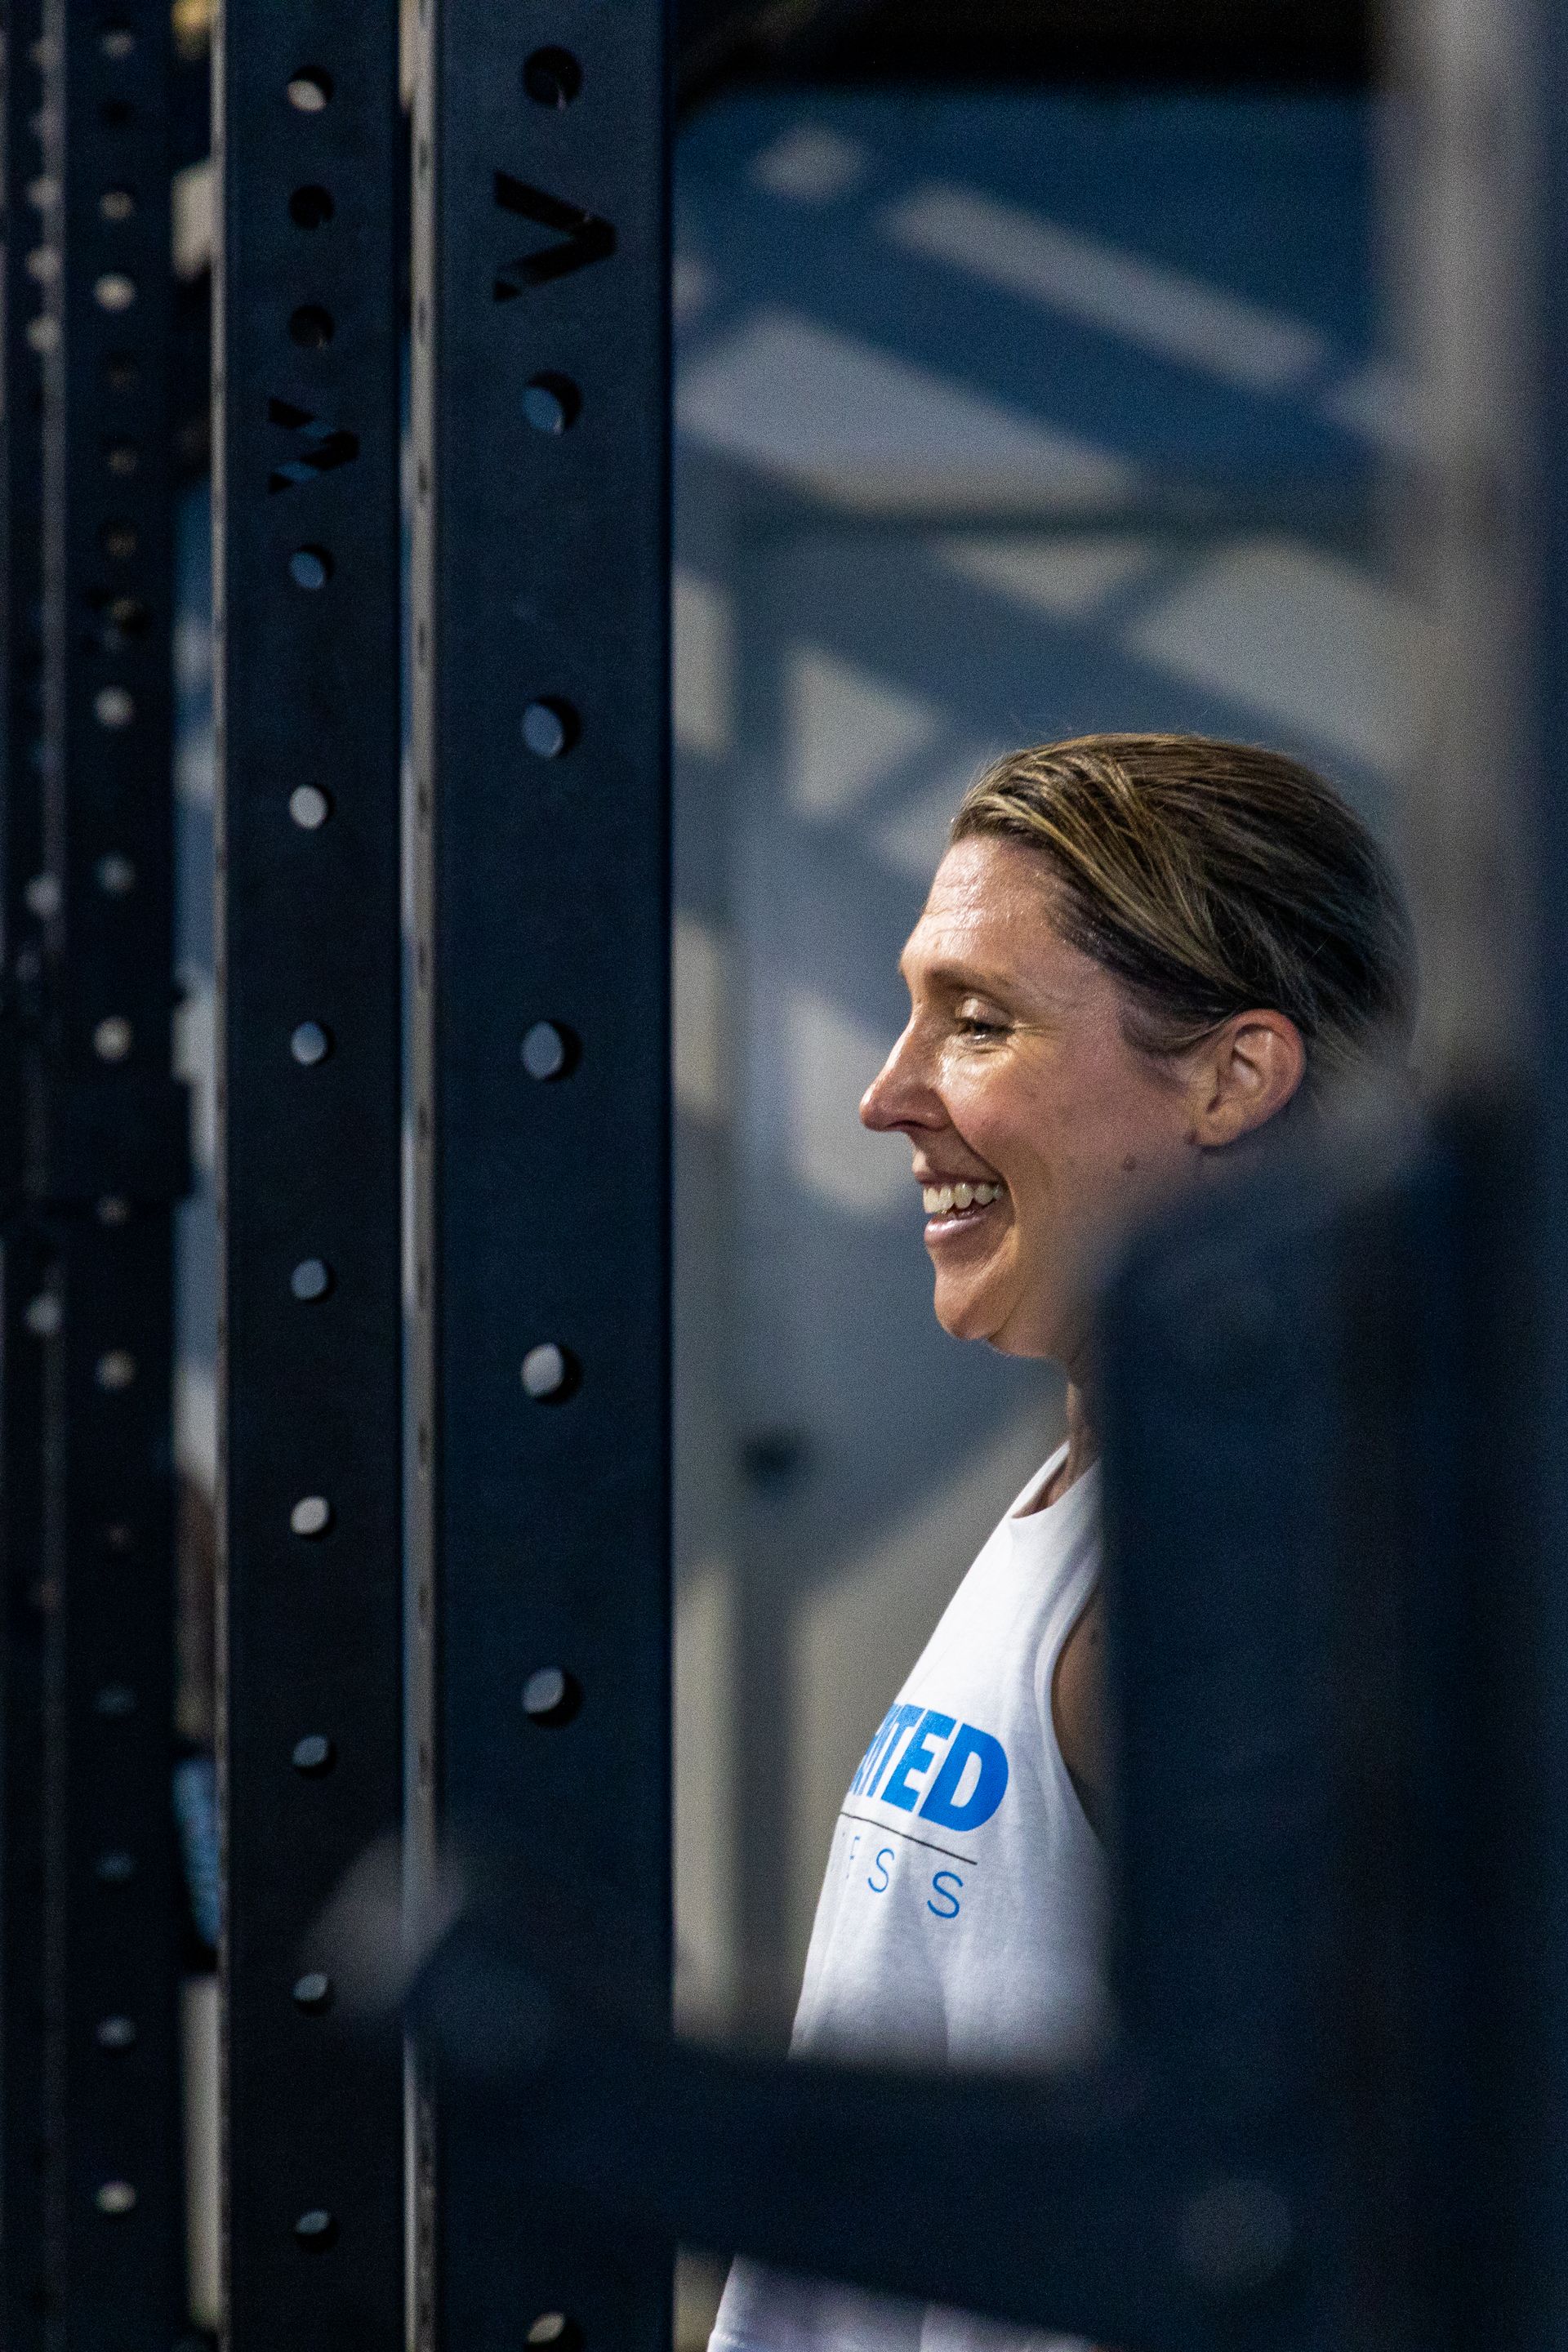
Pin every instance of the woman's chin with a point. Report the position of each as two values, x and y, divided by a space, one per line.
964 1311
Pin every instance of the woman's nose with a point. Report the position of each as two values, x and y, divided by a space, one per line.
898 1095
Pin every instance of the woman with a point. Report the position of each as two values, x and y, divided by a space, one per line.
1139 954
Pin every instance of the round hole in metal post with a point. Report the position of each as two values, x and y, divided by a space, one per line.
551 402
311 206
310 807
316 2229
114 2033
113 1038
552 77
310 89
551 728
311 327
313 1756
550 1050
116 205
309 568
311 1044
551 1697
312 1278
551 1374
553 2331
311 1516
118 540
312 1992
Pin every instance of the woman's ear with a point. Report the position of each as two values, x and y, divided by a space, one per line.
1247 1073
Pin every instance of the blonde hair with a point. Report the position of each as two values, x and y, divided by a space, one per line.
1214 878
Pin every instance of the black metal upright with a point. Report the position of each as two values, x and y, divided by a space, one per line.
23 1251
539 1548
307 554
106 1160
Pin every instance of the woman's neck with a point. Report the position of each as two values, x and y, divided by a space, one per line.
1083 1446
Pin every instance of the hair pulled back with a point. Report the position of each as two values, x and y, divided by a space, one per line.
1213 878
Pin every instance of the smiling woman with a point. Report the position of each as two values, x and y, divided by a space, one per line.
1140 953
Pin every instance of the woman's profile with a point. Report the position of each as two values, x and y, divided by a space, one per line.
1139 954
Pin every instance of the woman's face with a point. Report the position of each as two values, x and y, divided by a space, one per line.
1038 1131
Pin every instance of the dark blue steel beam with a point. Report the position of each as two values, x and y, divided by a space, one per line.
23 1249
540 851
307 558
106 1160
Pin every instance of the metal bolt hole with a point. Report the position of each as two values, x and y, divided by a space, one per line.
553 78
309 90
309 1044
313 1755
309 807
553 2331
311 327
551 1374
551 728
312 1278
552 403
309 567
311 207
551 1697
550 1050
311 1516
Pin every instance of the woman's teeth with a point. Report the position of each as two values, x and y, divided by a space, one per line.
939 1199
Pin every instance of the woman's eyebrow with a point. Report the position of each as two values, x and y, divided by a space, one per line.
963 979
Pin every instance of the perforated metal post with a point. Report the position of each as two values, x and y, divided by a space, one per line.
307 624
107 1153
23 1253
540 408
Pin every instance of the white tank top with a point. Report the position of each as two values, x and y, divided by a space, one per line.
962 1918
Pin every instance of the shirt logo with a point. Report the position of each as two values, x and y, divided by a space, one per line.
962 1790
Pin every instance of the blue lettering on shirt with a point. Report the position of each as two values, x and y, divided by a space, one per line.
883 1859
942 1804
948 1894
967 1786
918 1756
896 1719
